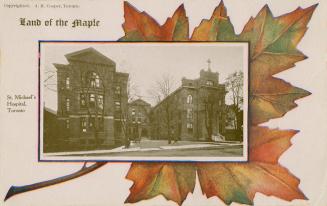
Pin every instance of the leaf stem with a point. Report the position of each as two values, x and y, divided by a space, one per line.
15 190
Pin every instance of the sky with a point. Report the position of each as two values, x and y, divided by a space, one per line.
147 62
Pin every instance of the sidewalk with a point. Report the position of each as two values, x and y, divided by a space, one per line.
153 145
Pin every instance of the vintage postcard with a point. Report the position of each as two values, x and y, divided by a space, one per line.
156 102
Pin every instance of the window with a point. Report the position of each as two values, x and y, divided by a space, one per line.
117 90
67 123
139 120
209 83
92 123
100 101
67 104
133 112
100 122
94 80
189 114
117 105
67 83
189 127
83 124
189 99
92 100
97 81
82 100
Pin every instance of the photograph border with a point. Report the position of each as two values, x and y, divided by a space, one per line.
130 161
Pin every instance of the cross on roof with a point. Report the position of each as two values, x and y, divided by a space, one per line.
209 64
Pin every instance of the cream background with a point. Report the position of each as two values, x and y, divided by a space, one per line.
306 159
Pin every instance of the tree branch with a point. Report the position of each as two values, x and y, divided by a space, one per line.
15 190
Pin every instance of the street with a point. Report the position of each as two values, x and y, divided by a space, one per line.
175 149
230 151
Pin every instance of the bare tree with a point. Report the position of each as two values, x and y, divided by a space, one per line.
209 98
125 118
234 85
50 81
161 91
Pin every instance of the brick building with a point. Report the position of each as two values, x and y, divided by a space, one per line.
139 111
51 140
91 96
195 111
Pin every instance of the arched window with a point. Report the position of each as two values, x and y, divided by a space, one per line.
189 99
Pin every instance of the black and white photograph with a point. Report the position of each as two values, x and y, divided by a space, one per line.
138 101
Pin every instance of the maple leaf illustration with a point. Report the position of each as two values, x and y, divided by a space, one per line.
238 182
139 26
273 42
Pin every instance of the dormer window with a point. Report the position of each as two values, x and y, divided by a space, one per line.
209 83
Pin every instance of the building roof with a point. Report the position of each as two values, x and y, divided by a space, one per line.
90 55
139 102
50 110
170 95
